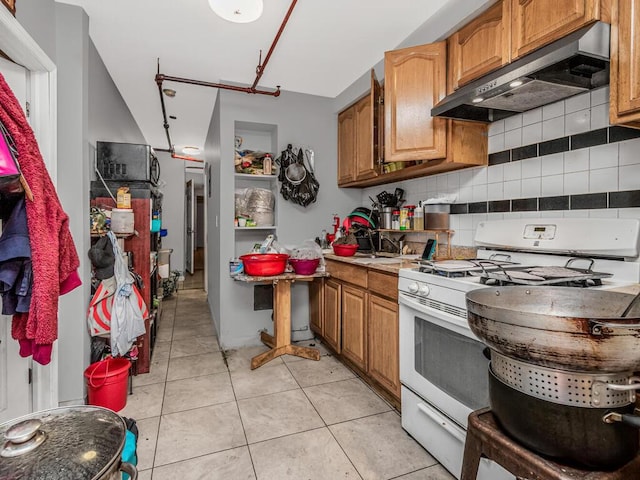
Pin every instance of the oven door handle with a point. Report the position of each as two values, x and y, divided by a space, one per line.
442 421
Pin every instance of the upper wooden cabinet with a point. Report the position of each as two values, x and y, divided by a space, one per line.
358 138
539 22
415 80
511 29
625 63
480 47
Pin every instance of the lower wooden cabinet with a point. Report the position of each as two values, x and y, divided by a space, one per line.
355 312
383 347
354 325
332 311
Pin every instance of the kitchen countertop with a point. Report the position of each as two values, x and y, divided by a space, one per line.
384 264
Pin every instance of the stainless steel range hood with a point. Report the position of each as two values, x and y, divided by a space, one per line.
574 64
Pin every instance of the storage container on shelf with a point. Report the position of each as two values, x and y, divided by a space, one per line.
122 220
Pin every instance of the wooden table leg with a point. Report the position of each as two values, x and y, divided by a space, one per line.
280 342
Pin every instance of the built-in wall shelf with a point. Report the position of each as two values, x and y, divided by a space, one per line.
248 229
248 176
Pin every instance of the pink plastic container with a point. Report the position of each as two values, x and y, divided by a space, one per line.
304 266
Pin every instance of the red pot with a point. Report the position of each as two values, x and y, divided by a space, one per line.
264 264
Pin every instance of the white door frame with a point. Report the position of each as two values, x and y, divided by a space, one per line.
16 42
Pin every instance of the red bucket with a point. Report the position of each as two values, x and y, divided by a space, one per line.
107 383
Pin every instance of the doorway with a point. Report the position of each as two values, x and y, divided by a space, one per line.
195 229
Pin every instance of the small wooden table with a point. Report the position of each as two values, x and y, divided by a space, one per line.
280 342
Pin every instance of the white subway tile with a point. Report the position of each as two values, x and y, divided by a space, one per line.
600 96
476 218
531 167
496 127
513 122
553 128
495 173
466 223
603 180
513 170
479 176
577 122
552 185
576 214
432 185
479 193
577 102
513 138
495 191
630 152
442 183
576 182
532 133
530 214
576 160
493 216
551 214
462 238
453 180
552 111
552 164
603 213
496 143
599 116
512 189
629 212
531 187
466 178
532 116
512 215
465 194
629 178
603 156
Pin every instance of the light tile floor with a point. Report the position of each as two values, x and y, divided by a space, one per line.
204 414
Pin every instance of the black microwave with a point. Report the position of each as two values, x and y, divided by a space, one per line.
127 161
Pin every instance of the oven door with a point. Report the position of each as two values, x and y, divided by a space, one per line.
440 358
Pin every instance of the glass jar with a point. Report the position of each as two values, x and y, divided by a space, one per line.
404 213
395 220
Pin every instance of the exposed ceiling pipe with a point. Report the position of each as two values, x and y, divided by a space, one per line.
160 78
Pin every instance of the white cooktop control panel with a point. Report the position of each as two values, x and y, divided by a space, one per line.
580 236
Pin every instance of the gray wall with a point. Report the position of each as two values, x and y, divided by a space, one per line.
301 120
72 58
90 108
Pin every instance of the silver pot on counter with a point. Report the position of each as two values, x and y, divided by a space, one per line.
574 329
562 376
69 443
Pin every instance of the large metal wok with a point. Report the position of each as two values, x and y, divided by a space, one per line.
574 329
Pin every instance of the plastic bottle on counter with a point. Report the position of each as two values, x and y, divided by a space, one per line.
395 220
404 213
418 219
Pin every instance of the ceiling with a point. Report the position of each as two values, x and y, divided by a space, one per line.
324 48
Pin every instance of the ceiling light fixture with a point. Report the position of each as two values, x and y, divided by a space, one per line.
237 11
169 92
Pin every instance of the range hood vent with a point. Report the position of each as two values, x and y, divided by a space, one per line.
574 64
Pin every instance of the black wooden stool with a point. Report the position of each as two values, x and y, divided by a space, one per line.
486 439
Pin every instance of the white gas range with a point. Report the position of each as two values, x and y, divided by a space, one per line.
443 368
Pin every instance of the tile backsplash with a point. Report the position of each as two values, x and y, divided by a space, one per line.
560 160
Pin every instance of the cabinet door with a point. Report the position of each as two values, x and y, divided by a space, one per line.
354 328
332 313
384 343
539 22
481 46
415 80
316 306
368 148
346 146
625 63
